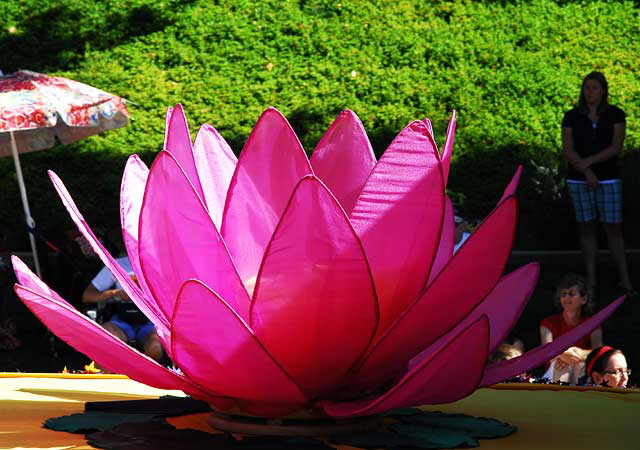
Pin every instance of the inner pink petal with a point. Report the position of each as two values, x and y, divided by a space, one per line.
344 158
268 170
178 143
398 217
314 306
215 163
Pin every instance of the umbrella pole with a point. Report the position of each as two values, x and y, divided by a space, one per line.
25 203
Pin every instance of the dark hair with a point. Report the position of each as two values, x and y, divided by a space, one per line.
570 280
600 78
600 364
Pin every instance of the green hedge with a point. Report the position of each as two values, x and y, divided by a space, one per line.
510 69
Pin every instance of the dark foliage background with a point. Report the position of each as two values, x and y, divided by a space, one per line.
509 68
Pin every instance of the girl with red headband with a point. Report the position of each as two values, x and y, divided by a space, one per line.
607 366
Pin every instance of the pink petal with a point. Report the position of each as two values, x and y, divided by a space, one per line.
94 341
314 306
502 307
178 143
452 372
269 168
504 370
445 246
29 280
167 122
215 163
429 126
513 184
215 348
344 158
398 218
448 146
147 306
178 240
469 276
132 188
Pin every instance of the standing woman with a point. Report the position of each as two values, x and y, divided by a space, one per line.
592 136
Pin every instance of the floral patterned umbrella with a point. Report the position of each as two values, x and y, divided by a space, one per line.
35 109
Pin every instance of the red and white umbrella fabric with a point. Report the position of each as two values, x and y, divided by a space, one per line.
37 109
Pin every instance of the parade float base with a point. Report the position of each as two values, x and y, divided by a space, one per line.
546 417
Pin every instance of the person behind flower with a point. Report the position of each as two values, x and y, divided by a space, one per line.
573 298
129 323
607 366
592 138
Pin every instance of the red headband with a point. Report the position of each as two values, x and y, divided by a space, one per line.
601 352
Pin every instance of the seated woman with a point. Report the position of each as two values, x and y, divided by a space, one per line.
574 300
607 366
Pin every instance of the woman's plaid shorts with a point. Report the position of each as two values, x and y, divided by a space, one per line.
604 203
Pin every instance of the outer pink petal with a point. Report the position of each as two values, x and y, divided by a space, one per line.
459 288
502 307
147 306
504 370
314 306
452 372
132 188
215 163
94 341
178 143
399 217
344 158
448 146
513 184
215 348
178 240
445 247
269 167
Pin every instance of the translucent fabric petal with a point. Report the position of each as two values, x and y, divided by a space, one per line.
29 280
146 305
178 240
178 143
452 372
456 291
215 348
429 126
215 163
167 121
132 189
268 170
445 246
513 184
398 217
344 158
447 149
314 306
504 370
94 341
502 307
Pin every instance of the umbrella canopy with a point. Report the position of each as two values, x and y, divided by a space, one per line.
37 109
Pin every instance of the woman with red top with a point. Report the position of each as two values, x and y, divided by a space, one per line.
573 298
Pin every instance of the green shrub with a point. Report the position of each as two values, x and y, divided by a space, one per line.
510 69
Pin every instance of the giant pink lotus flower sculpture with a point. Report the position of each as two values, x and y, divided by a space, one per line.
279 283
